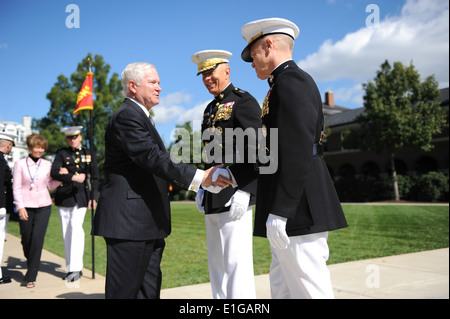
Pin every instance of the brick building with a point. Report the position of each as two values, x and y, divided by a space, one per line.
409 160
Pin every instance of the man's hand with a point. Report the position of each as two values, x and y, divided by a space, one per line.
79 178
238 204
2 212
276 231
219 181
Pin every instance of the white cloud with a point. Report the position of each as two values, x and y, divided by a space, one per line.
166 113
175 107
419 35
195 113
170 107
352 94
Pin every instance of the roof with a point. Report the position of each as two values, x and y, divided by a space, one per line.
346 117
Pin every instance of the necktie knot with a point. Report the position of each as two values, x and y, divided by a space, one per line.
151 119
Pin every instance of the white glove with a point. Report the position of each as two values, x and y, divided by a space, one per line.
239 204
276 231
199 200
2 212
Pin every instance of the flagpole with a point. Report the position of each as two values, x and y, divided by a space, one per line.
93 160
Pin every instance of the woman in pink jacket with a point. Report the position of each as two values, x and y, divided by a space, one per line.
32 200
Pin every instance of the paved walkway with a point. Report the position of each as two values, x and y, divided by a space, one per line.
423 275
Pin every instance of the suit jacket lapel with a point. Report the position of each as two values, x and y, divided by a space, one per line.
148 123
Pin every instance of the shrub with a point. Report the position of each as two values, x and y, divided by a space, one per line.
431 187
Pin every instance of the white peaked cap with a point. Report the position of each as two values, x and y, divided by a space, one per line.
255 30
209 59
72 130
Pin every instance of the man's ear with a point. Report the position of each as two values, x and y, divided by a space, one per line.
269 43
132 86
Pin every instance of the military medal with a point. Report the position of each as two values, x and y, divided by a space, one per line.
265 107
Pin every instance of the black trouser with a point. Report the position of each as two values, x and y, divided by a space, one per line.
133 269
33 234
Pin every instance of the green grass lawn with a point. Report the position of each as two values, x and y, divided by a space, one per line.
374 231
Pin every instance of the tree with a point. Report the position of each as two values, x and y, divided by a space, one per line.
400 110
187 148
63 97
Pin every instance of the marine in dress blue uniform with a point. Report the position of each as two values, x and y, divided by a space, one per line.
73 195
297 205
6 194
228 215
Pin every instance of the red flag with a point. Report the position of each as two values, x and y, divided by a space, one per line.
85 100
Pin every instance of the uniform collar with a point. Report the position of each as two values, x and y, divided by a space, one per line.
225 92
279 69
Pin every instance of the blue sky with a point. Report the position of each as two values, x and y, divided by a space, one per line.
336 46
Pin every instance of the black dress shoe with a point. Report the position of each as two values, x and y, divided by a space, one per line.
73 276
66 275
5 280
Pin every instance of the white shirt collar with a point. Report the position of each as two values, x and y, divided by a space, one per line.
280 64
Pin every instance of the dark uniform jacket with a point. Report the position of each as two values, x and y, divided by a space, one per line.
134 202
301 189
6 194
77 161
232 108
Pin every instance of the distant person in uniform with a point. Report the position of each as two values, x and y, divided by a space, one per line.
73 196
6 194
31 184
228 214
297 205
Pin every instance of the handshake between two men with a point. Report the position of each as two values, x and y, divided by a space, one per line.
217 178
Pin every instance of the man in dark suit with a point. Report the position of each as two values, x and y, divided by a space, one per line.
297 205
133 213
229 214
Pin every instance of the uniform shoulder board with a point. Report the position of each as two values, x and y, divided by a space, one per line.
239 92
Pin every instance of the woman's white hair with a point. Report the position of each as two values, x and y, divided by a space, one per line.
134 72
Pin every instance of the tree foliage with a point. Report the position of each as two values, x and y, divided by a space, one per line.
400 111
187 148
63 97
